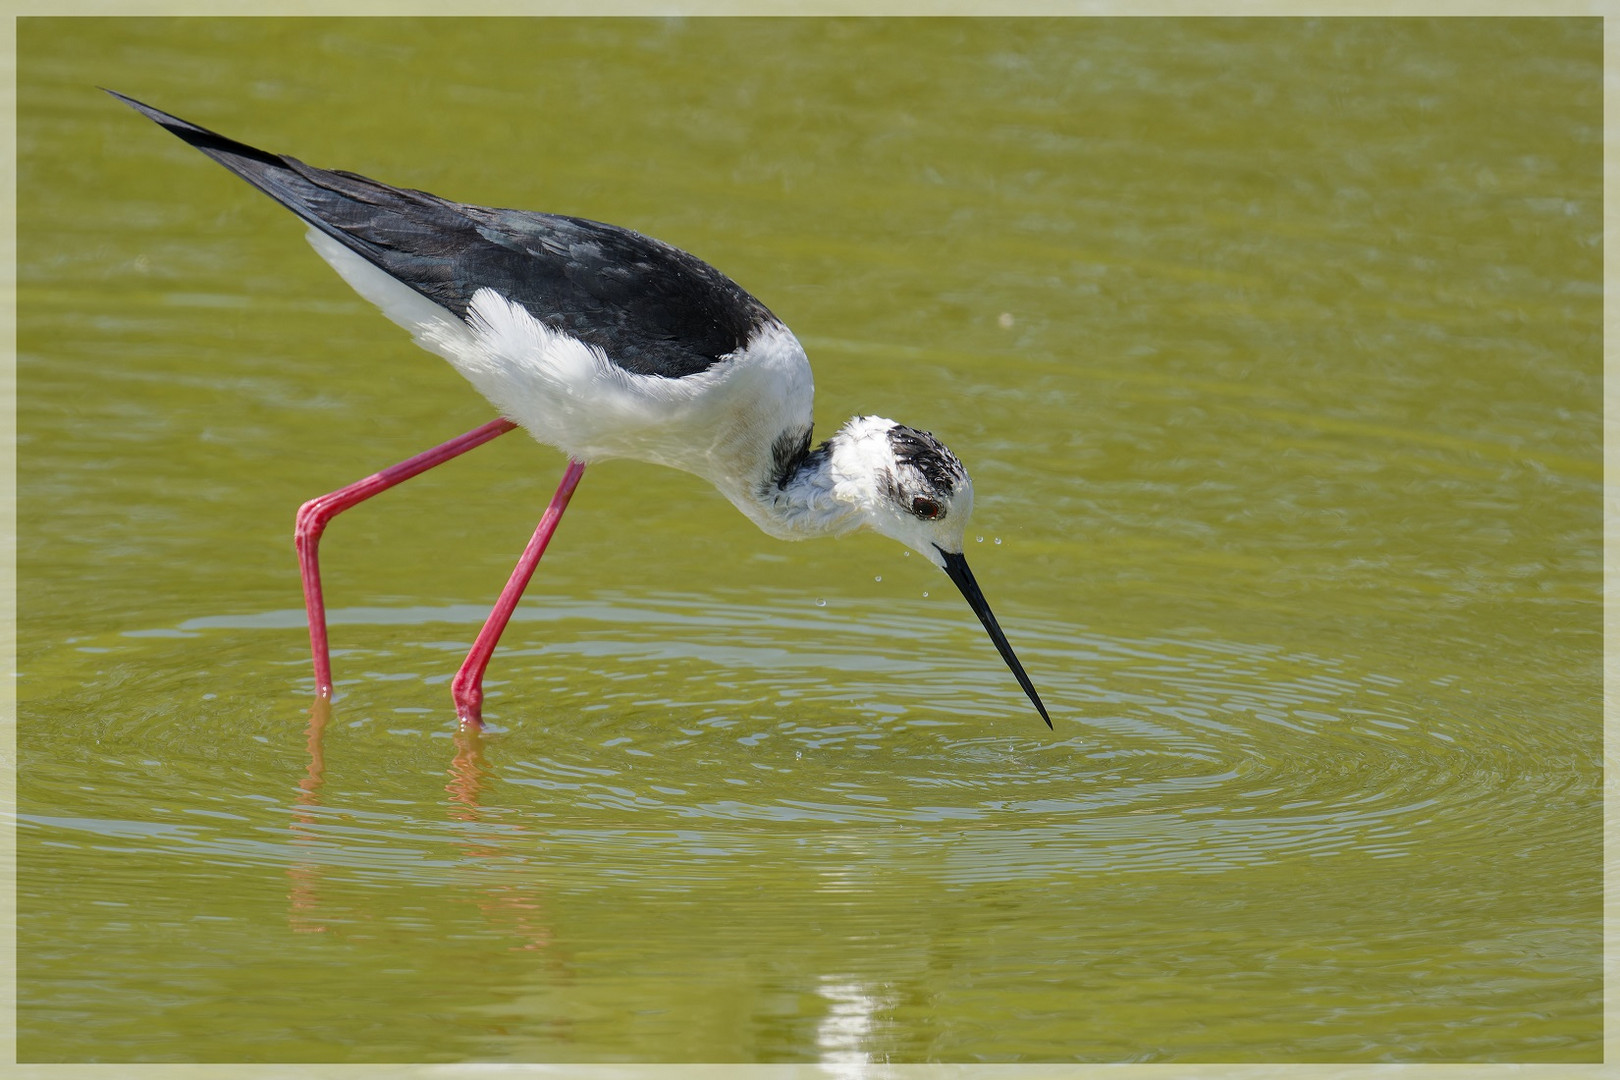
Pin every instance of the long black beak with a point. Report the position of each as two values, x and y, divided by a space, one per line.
956 568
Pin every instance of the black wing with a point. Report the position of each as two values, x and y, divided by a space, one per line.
652 308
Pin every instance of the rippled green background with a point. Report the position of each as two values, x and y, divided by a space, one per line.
1274 348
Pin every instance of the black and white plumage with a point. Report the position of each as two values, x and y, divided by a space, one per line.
605 343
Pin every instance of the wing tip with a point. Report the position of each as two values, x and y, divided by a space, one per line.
157 116
212 143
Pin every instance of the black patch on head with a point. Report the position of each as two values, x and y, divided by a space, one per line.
919 450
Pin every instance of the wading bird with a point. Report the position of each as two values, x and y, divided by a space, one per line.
604 343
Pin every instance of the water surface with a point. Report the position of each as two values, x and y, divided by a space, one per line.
1274 348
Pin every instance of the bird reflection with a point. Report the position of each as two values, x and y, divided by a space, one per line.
467 771
512 907
848 1029
515 908
304 877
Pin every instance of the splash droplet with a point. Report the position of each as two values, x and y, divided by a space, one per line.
998 539
879 577
821 603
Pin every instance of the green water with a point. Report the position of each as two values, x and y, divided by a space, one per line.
1274 348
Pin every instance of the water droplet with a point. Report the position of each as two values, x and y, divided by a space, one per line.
978 539
821 603
925 595
878 578
907 554
998 539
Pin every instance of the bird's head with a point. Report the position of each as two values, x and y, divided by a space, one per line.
907 485
904 483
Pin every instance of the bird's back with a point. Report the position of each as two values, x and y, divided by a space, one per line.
651 308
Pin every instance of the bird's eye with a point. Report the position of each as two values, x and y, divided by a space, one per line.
926 508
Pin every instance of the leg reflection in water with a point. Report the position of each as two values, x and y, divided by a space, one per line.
492 872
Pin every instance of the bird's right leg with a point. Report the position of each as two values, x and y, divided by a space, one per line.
467 688
314 515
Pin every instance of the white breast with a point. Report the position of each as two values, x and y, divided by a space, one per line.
719 423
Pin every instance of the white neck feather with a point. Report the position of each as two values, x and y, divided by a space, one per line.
827 491
803 503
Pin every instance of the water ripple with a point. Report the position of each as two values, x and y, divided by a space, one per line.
653 737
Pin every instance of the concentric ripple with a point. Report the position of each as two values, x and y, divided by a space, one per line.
654 736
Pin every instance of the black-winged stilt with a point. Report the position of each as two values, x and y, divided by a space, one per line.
604 343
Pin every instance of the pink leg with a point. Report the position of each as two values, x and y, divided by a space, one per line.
468 686
314 515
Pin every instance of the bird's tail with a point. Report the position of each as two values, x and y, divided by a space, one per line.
334 202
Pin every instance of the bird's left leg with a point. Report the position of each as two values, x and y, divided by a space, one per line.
314 516
468 686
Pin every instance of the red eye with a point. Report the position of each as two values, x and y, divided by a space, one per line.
927 508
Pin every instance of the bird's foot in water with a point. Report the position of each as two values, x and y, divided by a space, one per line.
469 699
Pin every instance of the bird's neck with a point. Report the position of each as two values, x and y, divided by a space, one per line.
792 495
